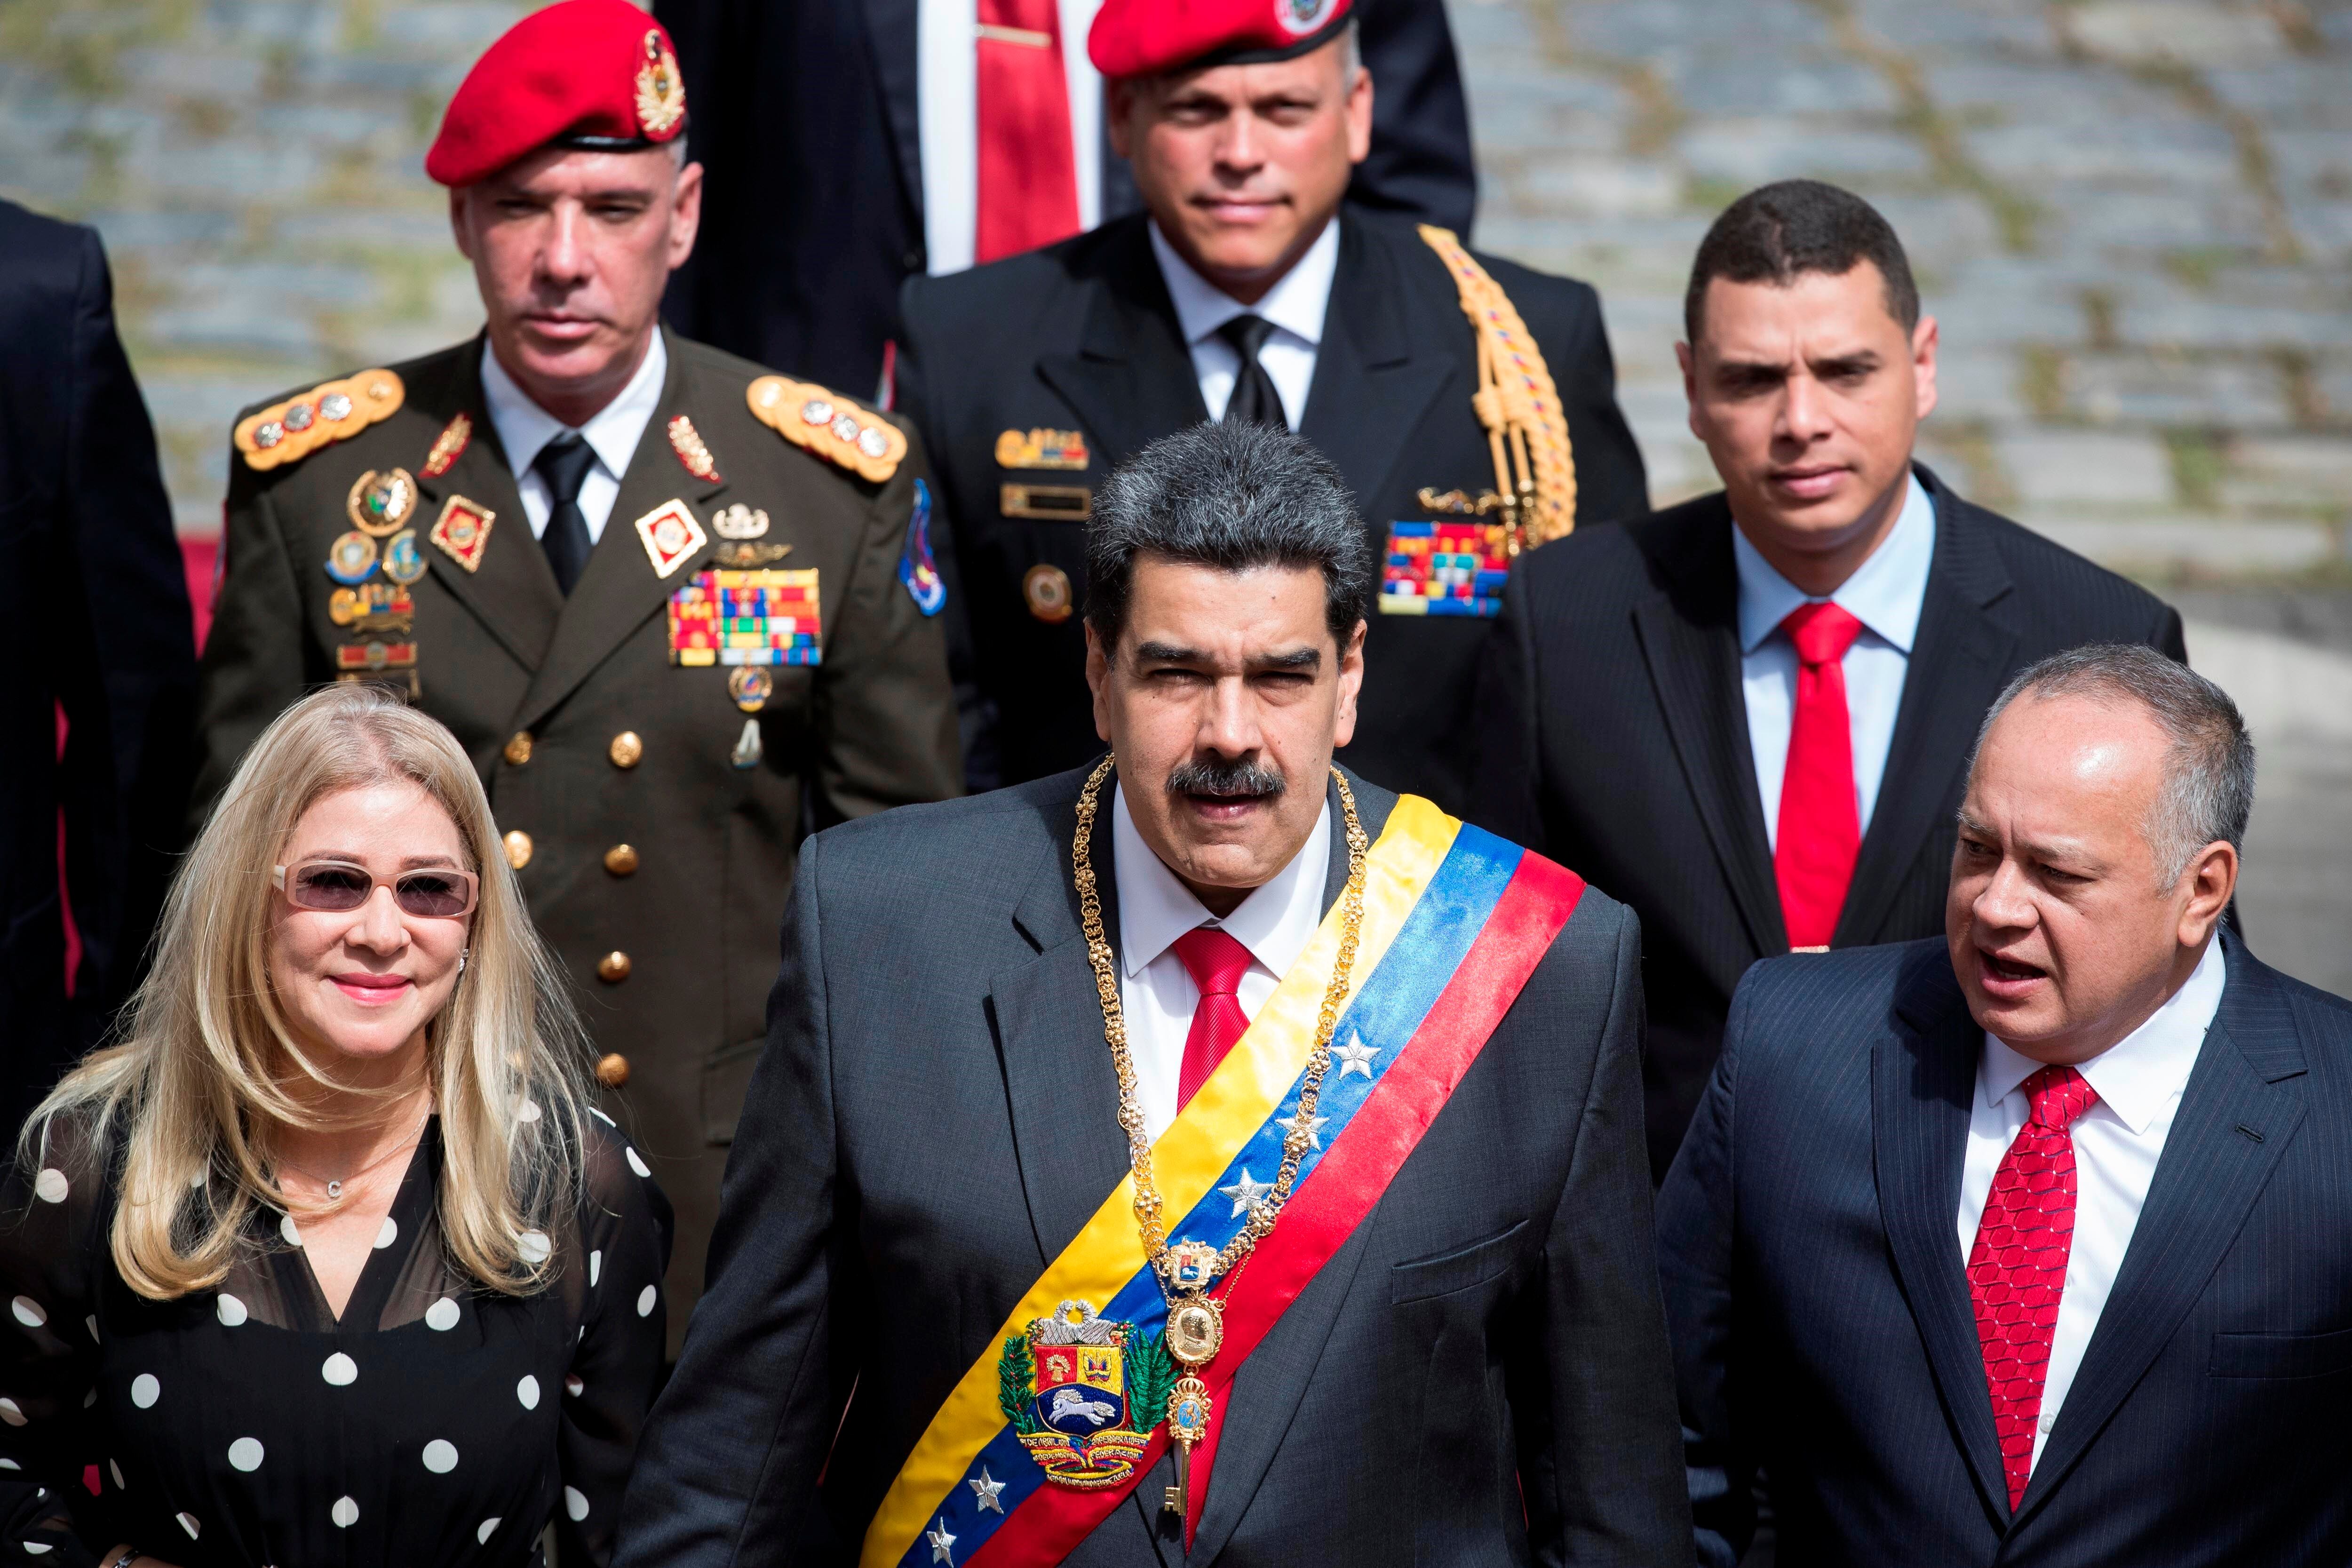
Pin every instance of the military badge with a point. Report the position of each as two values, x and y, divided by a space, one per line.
670 534
350 558
739 521
1053 503
750 685
686 442
746 618
402 561
1041 448
357 657
661 90
749 748
1084 1394
372 607
918 572
380 503
742 555
463 532
448 447
1300 17
1445 568
1046 588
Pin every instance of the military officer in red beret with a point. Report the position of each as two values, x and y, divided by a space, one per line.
1469 403
678 608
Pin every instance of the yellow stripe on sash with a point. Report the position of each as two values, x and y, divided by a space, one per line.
1247 1087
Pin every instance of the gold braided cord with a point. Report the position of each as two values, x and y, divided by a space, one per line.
1535 467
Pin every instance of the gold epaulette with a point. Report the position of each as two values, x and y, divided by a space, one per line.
1535 469
829 424
332 411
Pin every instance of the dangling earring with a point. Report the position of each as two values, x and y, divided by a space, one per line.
464 953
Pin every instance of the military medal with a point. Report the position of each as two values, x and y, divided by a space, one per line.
350 558
1188 1270
380 503
738 521
448 447
463 531
402 561
1046 589
750 685
670 534
686 442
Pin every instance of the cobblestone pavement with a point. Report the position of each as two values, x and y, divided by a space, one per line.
2133 216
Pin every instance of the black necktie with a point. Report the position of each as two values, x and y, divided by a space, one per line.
1255 398
563 463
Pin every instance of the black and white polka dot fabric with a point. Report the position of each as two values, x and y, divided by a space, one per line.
435 1423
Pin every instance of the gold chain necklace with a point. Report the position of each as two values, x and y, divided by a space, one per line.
1186 1272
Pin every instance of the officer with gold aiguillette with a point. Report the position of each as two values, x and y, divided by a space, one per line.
677 608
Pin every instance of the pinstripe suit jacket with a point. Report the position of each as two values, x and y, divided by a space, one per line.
1822 1319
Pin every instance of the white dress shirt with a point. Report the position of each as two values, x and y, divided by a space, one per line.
1885 594
2117 1142
947 108
612 433
1275 923
1296 306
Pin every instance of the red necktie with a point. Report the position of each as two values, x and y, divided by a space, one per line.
1821 829
1028 168
2017 1269
1216 964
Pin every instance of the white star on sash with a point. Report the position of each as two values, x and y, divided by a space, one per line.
1355 1055
987 1487
940 1541
1314 1127
1246 1192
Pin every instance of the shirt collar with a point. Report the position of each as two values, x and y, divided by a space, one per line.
1275 923
612 432
1297 304
2135 1076
1884 593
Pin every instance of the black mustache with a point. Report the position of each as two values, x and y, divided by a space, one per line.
1222 778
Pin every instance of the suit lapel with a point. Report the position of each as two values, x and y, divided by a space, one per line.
1959 661
619 588
1369 391
2239 1112
512 591
1131 381
1690 637
1923 1083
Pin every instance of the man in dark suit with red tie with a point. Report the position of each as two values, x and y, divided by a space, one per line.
1747 716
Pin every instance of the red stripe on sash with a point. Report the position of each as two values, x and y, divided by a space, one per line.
1327 1207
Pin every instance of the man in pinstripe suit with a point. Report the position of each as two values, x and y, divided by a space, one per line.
2026 1247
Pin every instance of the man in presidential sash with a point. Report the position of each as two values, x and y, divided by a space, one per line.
1203 1154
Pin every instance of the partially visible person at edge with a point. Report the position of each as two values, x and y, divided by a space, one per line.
537 534
331 1260
1749 716
1250 289
1208 1093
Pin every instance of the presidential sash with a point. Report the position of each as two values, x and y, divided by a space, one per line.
1455 921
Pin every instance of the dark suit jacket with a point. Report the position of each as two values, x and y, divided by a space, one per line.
1822 1318
936 1119
1615 740
804 119
93 619
1082 336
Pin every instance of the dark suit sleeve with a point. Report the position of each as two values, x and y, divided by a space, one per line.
726 1476
255 656
1507 782
127 695
884 711
1605 1486
1695 1243
1420 161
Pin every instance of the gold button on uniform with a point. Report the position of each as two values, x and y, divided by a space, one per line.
612 1069
627 749
621 859
612 968
519 749
518 845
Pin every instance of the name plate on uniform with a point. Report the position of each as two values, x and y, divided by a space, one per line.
1445 568
746 617
1055 503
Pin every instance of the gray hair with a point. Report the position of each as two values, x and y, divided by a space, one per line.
2208 766
1232 496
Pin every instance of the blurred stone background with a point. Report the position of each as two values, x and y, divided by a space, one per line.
2134 218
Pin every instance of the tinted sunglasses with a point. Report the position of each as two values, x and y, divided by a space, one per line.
337 886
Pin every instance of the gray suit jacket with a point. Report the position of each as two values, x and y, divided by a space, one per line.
1479 1374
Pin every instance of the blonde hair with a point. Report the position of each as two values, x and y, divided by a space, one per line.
185 1100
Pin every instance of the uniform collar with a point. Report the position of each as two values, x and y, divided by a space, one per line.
1275 923
2135 1076
612 432
1884 593
1297 304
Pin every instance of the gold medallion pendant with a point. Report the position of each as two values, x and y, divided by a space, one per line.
1189 1271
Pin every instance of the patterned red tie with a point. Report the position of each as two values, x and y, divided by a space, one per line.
1216 964
1028 167
1821 826
2017 1270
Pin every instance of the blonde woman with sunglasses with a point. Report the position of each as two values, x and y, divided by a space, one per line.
330 1259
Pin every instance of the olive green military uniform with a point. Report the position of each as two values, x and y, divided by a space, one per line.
651 802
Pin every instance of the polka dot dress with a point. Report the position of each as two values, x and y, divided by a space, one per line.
433 1421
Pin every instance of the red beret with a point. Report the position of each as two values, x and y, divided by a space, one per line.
1147 37
595 74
